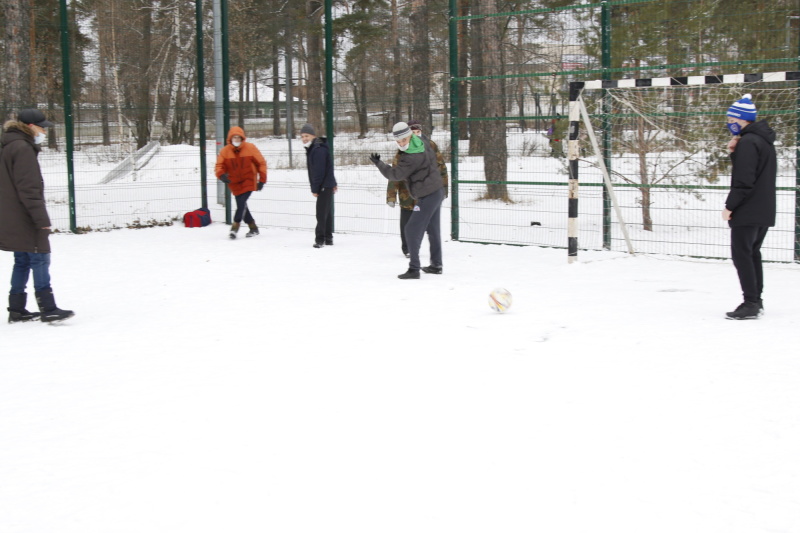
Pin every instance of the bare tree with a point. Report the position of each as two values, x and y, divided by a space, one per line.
17 71
314 55
421 51
495 151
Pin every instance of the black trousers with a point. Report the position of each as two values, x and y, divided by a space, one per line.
241 208
324 230
405 216
746 244
425 218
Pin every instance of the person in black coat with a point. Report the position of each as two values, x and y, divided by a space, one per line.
751 205
322 181
24 222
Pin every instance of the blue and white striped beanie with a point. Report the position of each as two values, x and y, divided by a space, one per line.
744 109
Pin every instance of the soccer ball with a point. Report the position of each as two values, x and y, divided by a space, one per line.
500 300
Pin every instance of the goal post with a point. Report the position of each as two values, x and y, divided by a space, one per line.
669 160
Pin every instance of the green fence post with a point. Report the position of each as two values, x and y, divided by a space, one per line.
69 126
201 100
605 23
226 97
453 31
329 88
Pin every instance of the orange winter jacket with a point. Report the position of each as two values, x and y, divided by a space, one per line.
244 164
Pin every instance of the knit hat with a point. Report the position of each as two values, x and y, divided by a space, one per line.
401 131
308 128
33 116
743 109
415 125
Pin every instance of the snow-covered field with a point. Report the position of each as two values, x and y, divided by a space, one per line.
210 385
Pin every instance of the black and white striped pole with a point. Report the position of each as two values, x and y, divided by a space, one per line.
573 153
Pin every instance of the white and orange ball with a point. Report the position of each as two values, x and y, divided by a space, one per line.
500 300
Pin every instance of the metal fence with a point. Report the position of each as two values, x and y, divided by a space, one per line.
129 149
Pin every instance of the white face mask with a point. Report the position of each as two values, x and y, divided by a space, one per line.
40 138
236 143
403 148
308 144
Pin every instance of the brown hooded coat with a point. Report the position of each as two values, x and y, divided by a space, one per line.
23 213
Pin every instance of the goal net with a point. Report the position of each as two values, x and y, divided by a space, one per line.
663 142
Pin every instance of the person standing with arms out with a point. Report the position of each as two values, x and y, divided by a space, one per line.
24 222
398 188
322 181
416 166
750 207
242 167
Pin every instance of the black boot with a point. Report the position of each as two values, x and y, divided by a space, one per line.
432 269
47 305
16 308
253 230
745 311
410 274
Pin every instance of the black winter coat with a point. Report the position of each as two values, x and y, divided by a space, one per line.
755 166
22 208
320 165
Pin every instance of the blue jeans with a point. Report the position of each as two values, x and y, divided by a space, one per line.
24 264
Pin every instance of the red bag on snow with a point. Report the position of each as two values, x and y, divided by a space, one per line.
197 218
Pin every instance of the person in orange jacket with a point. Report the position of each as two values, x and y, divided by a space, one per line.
242 167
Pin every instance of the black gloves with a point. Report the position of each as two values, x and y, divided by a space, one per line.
375 159
260 185
224 178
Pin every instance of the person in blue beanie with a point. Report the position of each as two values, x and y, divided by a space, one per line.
750 206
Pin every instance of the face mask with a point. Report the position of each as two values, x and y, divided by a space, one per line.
308 144
236 143
734 127
40 138
403 148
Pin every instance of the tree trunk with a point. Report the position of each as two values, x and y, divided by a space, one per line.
421 70
361 100
644 176
276 92
463 67
143 92
17 73
397 73
495 153
314 95
477 99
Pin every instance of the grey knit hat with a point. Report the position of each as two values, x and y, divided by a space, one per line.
308 128
401 131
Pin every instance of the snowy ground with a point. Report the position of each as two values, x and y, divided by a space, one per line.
261 385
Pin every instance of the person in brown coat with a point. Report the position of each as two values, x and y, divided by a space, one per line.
241 165
24 222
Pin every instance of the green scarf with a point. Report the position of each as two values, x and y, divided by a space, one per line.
415 146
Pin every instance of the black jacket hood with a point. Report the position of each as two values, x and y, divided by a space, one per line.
762 129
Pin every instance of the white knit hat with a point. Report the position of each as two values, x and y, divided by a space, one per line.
401 131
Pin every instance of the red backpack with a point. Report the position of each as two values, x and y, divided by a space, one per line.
197 218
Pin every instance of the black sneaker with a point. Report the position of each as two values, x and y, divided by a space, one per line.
745 311
410 274
252 233
318 245
329 243
432 269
